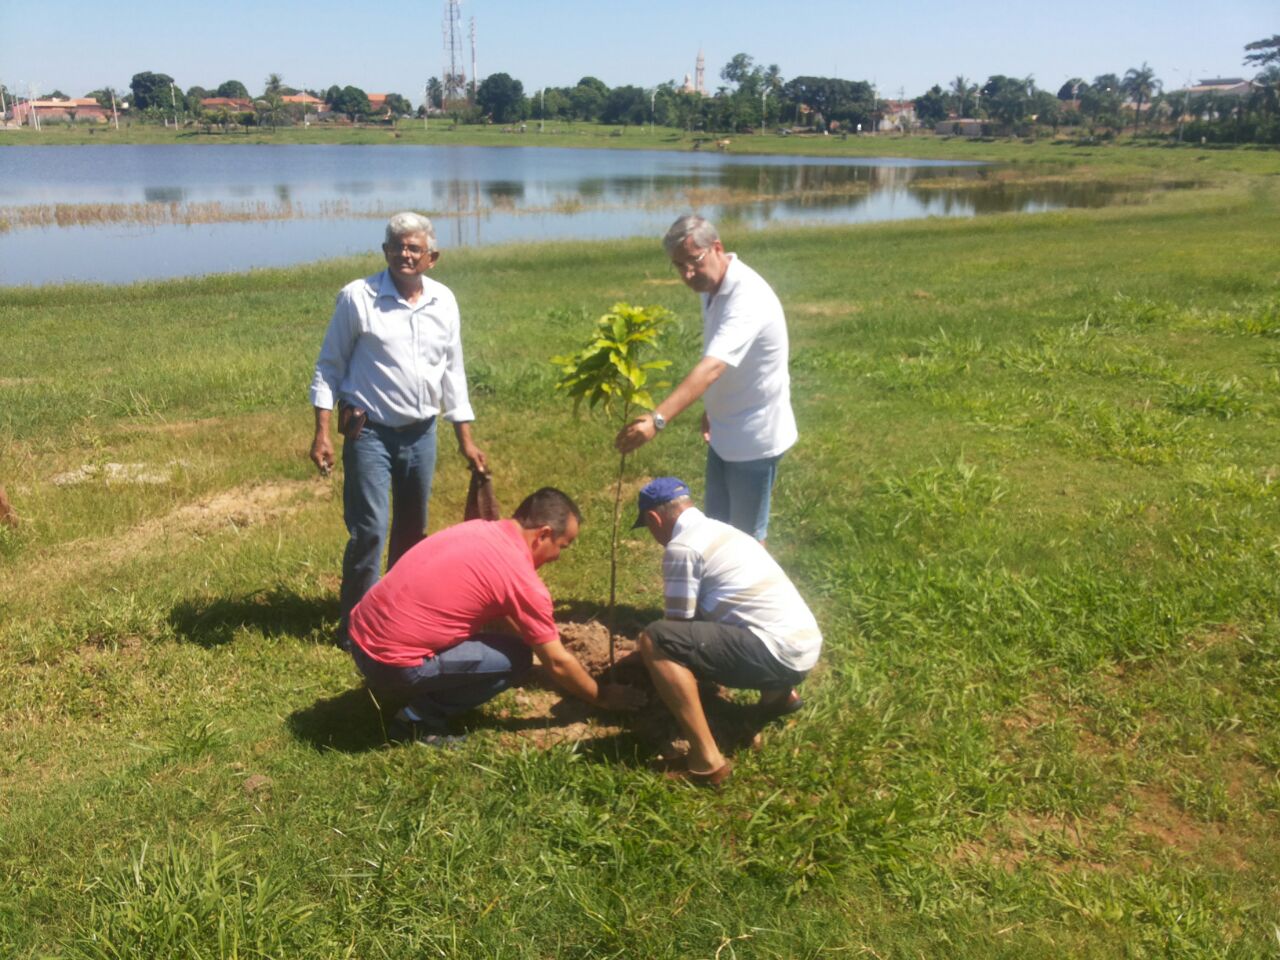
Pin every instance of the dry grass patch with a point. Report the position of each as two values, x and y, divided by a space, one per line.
236 509
820 309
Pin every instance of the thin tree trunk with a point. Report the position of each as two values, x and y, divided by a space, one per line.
613 553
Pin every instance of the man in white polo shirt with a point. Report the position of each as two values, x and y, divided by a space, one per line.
742 379
731 616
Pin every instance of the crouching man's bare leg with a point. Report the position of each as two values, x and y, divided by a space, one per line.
678 688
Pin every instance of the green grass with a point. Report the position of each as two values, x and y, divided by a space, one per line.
1034 506
1128 155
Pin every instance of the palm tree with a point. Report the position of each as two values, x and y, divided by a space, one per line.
1267 92
1140 84
271 107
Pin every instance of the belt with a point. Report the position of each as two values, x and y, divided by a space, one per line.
407 428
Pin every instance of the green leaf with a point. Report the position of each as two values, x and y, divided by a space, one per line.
612 367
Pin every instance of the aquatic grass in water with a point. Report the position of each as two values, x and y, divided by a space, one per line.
156 214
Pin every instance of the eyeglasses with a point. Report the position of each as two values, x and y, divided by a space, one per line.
412 249
685 266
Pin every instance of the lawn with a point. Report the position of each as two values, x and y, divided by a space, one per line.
1034 507
1125 155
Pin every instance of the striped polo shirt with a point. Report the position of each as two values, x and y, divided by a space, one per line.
712 571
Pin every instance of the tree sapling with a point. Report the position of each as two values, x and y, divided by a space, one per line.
609 373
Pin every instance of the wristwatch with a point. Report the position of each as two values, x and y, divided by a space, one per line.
659 421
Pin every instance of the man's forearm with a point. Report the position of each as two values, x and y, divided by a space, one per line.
570 677
323 418
691 388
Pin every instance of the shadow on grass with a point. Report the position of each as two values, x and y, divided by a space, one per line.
646 739
351 722
348 723
211 623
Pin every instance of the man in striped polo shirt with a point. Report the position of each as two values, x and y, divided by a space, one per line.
731 617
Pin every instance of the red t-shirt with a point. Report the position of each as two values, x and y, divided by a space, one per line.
447 588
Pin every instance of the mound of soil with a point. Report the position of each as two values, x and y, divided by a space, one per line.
538 712
589 642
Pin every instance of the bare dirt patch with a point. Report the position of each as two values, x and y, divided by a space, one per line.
178 428
1035 711
241 507
1157 816
630 487
540 714
814 309
1026 836
1222 635
116 473
238 508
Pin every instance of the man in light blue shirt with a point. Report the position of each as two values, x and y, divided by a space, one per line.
392 362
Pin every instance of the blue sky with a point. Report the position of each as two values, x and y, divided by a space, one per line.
903 47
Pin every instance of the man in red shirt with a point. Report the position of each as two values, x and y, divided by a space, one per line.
423 635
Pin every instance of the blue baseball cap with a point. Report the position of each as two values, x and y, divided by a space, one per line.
657 492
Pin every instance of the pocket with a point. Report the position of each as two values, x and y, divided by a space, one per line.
428 669
351 420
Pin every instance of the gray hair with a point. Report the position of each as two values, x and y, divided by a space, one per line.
690 225
403 224
673 508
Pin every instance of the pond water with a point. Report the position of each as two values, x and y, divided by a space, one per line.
117 214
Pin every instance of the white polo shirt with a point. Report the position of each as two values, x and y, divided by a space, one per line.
717 571
750 405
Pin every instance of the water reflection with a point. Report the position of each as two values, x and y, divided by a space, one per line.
164 194
274 206
355 188
504 193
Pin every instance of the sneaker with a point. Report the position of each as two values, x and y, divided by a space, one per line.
425 735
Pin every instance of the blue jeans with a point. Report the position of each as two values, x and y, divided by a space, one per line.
383 458
454 680
739 492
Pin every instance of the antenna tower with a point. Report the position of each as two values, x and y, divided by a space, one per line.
455 80
474 75
700 74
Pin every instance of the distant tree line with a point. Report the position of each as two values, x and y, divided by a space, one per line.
157 97
753 96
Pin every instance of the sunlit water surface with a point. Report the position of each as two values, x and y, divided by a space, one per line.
307 203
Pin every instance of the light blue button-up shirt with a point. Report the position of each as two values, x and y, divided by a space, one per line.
401 362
